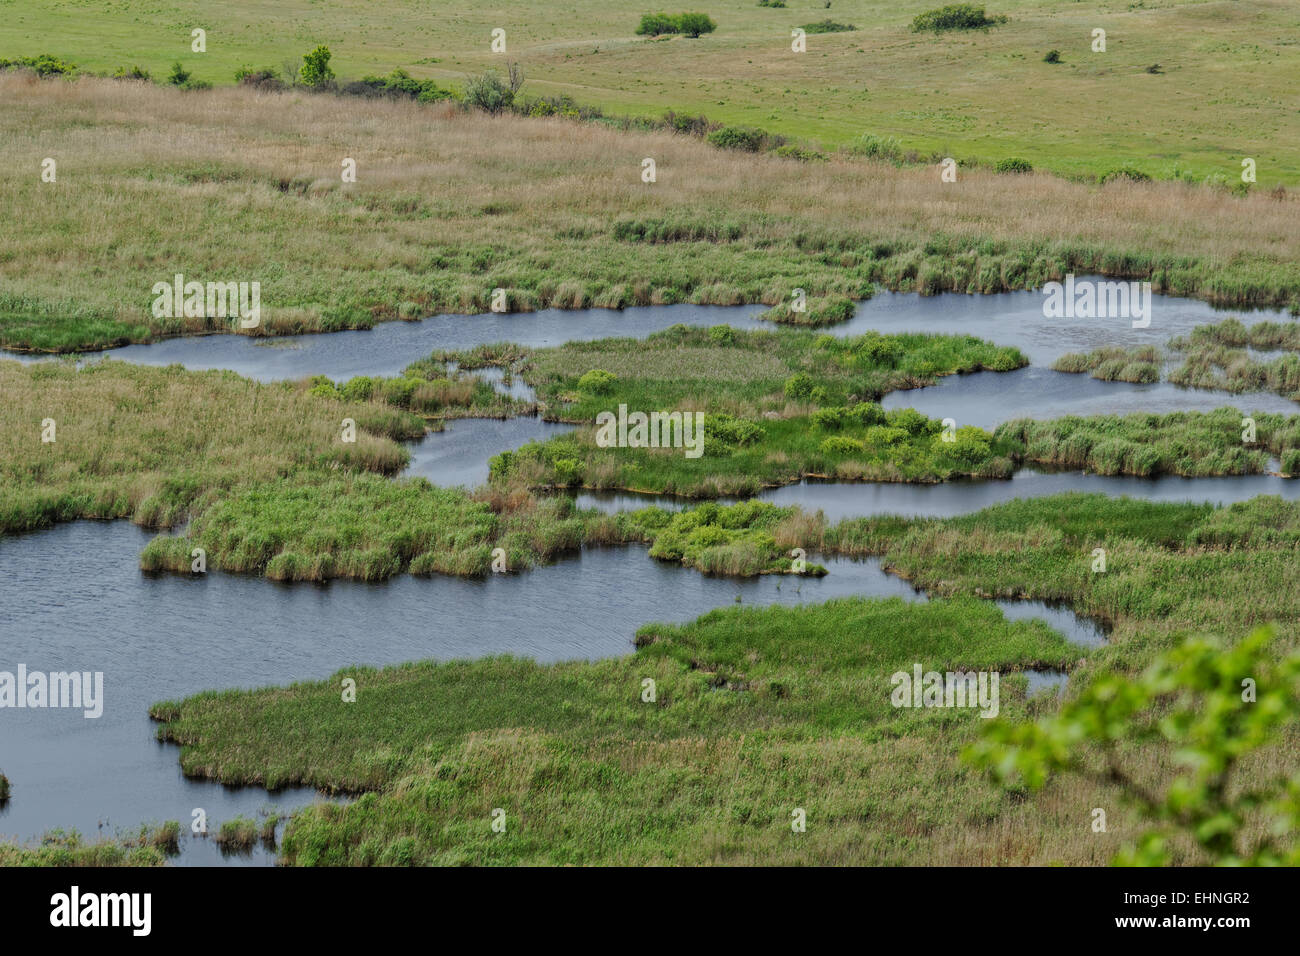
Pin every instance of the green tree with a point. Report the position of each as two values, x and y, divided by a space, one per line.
1211 705
316 71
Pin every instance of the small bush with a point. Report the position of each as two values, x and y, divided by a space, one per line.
1013 165
841 445
830 418
1155 68
263 79
1053 56
179 76
827 26
315 70
799 153
1125 172
750 139
799 386
398 85
955 16
694 24
134 73
488 92
597 381
685 123
868 413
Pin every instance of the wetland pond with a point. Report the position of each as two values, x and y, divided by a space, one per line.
74 598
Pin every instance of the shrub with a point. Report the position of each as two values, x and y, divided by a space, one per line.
970 446
879 351
179 76
799 153
955 16
399 85
597 381
868 413
488 92
568 471
1053 56
688 24
799 385
134 73
656 24
358 389
827 26
43 65
882 436
833 417
841 445
1013 165
729 430
694 24
315 70
1155 68
751 139
562 105
1188 701
911 421
685 123
266 78
1125 172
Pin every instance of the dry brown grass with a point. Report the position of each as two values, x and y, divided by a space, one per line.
240 185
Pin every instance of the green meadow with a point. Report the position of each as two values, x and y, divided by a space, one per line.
1225 68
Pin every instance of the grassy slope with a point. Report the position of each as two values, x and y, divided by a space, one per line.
229 185
1230 67
588 774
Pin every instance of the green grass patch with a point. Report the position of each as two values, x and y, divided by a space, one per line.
755 713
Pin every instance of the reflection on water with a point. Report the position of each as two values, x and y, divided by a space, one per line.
987 399
1007 318
459 454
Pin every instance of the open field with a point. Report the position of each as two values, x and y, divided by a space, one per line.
233 185
1229 68
761 711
